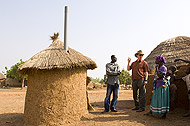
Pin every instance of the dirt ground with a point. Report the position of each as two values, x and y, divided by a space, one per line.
12 109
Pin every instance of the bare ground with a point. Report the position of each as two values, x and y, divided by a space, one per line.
12 109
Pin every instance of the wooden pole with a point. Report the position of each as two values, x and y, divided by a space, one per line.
22 83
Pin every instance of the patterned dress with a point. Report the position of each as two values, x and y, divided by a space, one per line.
160 97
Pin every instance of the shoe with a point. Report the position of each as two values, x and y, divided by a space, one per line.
105 111
135 108
114 110
140 110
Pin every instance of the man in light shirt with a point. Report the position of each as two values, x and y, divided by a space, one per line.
112 72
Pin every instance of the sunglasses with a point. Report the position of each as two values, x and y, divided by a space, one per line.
141 55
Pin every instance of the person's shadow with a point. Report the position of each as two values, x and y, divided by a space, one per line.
12 119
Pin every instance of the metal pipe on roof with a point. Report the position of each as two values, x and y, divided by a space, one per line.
65 28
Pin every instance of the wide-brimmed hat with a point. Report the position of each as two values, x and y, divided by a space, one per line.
138 53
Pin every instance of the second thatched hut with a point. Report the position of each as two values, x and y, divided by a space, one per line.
171 49
56 91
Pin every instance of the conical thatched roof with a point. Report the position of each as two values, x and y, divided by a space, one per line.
171 49
55 57
2 76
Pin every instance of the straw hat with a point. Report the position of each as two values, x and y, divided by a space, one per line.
138 53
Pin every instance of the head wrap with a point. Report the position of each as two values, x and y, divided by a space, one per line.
161 58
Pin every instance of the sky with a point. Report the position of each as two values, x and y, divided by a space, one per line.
96 28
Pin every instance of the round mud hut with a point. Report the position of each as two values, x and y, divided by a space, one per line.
2 80
56 92
2 77
171 49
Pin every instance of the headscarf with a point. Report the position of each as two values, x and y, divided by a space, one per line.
161 58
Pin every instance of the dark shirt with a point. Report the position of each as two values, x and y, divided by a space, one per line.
139 69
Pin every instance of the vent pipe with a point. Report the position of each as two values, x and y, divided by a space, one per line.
65 29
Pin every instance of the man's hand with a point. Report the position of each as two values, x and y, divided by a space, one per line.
129 60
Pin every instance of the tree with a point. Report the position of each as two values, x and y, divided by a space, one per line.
125 77
13 73
96 80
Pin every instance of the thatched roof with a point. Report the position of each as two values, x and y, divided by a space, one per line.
171 49
55 57
2 76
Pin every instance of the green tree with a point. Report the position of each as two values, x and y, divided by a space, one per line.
103 81
96 80
13 73
125 77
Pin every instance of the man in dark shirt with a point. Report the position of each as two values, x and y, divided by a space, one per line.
139 77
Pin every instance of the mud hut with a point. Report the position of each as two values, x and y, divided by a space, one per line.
2 77
2 80
56 91
174 48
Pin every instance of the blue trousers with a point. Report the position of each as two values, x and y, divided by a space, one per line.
110 89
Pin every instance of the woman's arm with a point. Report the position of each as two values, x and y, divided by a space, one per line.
160 75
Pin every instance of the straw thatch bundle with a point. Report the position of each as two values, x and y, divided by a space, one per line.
171 49
56 92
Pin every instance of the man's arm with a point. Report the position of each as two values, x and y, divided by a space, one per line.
109 72
186 61
146 75
146 72
128 65
146 78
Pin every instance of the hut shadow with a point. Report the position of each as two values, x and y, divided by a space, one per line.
12 119
112 116
127 116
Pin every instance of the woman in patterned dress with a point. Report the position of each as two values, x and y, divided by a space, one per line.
160 98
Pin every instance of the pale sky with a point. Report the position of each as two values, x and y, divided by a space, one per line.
97 28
